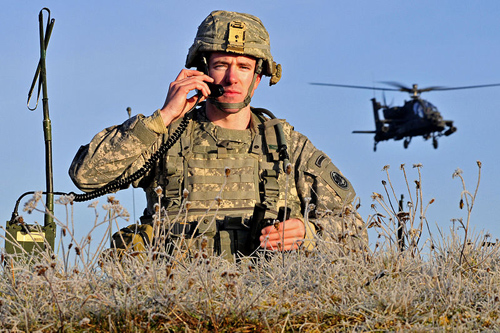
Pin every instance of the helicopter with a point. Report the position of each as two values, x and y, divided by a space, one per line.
417 117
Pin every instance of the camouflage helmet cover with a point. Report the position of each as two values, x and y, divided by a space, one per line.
238 33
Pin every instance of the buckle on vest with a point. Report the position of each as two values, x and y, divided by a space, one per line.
271 186
232 223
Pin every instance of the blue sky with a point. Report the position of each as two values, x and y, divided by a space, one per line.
106 56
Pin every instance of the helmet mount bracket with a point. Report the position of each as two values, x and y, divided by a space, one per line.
236 37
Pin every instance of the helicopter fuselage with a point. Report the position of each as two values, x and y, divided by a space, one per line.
417 117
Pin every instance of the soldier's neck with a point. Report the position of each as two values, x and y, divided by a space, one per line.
230 119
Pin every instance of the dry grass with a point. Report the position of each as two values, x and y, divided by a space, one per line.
449 281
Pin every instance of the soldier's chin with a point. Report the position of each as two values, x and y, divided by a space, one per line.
230 111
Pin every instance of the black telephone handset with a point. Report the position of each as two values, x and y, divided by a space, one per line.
216 90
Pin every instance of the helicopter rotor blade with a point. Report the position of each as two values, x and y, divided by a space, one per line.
431 88
415 91
398 85
467 87
351 86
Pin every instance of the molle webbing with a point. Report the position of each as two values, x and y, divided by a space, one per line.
205 178
198 162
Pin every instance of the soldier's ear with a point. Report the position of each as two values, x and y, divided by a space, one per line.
257 81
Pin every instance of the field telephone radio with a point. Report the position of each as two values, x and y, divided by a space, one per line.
20 236
25 238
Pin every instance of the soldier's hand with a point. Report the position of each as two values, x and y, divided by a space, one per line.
177 102
285 236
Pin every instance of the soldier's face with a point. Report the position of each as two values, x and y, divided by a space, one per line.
234 73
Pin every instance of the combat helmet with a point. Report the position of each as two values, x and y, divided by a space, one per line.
238 33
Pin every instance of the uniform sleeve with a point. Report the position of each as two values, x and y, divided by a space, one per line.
115 151
325 194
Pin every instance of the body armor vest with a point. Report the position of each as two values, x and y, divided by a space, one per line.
225 172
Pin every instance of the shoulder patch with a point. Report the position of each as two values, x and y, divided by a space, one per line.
339 180
322 167
319 160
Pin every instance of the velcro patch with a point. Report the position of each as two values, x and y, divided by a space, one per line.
319 160
339 180
321 166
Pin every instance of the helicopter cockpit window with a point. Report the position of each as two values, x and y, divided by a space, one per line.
418 109
430 106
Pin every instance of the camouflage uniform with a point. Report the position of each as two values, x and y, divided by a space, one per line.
314 179
222 171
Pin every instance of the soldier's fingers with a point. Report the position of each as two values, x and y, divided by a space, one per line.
288 234
188 73
290 231
279 245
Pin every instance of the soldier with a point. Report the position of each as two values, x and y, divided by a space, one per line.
229 157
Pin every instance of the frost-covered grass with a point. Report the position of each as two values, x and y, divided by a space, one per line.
448 281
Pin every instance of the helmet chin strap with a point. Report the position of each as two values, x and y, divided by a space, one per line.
239 106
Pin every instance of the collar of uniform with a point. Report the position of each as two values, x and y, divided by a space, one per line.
220 134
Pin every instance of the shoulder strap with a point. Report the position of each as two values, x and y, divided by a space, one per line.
274 136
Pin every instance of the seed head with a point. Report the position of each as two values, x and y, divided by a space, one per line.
111 200
40 270
93 204
457 173
158 190
185 193
227 171
276 224
65 200
204 243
